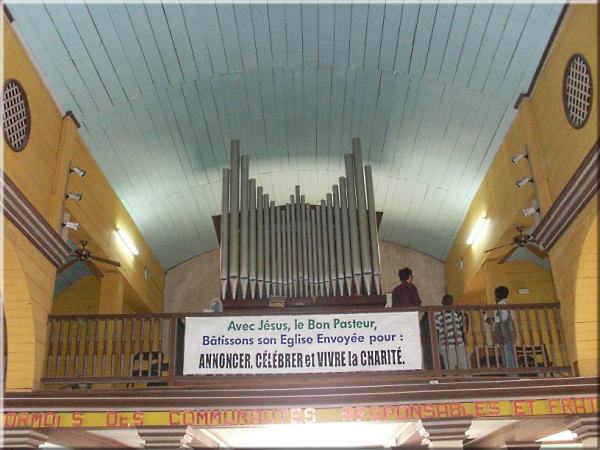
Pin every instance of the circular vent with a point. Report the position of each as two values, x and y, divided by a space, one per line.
577 91
16 120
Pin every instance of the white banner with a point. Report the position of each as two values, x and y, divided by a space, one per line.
302 343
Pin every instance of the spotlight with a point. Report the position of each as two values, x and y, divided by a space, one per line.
523 181
78 171
71 225
515 159
530 211
76 196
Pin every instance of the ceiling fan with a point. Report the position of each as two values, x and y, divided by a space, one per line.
522 240
84 255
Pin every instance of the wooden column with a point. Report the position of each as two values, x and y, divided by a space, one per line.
112 292
446 433
23 438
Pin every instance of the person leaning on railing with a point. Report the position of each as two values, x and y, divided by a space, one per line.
504 327
450 331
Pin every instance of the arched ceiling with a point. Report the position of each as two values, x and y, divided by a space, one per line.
160 89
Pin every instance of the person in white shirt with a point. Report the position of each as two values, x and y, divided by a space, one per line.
504 327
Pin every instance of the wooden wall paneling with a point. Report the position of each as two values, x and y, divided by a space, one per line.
490 42
245 30
69 36
174 25
472 44
293 34
310 26
276 16
374 32
422 39
197 41
439 38
262 36
456 39
107 71
228 30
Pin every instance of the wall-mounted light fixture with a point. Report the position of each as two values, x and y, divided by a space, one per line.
147 273
75 196
523 181
77 171
128 242
530 211
515 159
476 232
71 225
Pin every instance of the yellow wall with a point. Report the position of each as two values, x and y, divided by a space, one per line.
555 151
80 299
519 274
28 277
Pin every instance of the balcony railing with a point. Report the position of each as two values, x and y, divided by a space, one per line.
147 349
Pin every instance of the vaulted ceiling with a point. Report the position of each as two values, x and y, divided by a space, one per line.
161 89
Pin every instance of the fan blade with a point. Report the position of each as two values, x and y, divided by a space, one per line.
66 266
93 268
104 260
505 257
537 251
496 248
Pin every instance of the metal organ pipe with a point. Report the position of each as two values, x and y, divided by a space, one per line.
325 252
331 243
363 222
294 243
273 213
224 233
234 208
260 242
339 256
354 236
374 238
346 235
252 236
244 227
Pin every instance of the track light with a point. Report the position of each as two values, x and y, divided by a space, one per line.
71 225
530 211
523 181
78 171
515 159
75 196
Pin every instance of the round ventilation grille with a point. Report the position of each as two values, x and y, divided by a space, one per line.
16 120
577 91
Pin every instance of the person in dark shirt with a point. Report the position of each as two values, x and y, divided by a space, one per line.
406 293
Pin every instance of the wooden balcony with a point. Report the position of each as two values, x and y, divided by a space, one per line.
146 350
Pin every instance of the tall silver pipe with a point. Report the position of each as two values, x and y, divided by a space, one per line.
294 253
325 249
346 235
320 251
224 233
331 243
309 250
260 242
288 240
374 241
283 232
315 256
274 275
363 222
279 228
305 236
354 236
300 261
339 255
252 237
244 227
234 209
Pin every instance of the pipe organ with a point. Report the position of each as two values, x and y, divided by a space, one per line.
330 249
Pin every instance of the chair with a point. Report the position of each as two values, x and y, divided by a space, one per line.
149 364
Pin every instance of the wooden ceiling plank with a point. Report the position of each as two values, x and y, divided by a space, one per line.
389 36
180 37
323 112
336 117
276 15
229 36
408 27
358 30
310 27
209 24
293 36
374 34
439 40
456 38
326 16
422 39
197 40
381 118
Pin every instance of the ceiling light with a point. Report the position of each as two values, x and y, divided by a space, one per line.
530 211
515 159
477 229
128 242
71 225
78 171
76 196
523 181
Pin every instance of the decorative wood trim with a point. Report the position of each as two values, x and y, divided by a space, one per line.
8 14
31 223
542 61
73 118
582 186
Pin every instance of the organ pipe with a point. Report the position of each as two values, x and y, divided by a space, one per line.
234 208
244 226
252 236
374 238
363 223
224 233
260 241
354 236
